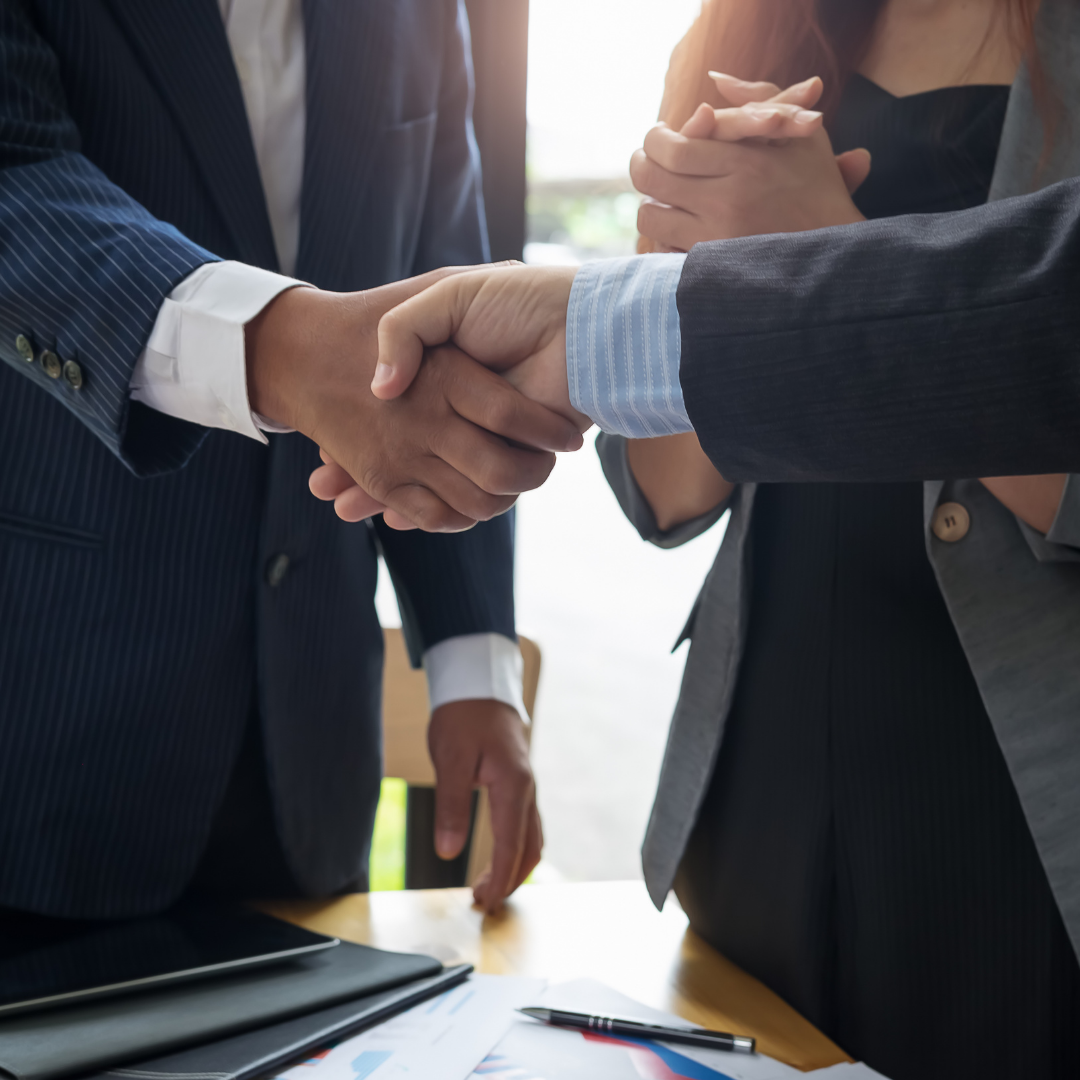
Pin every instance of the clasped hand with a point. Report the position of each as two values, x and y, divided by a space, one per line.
762 164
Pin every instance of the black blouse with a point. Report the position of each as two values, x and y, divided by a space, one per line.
861 847
930 152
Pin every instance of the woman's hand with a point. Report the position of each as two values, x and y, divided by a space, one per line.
763 165
1033 499
678 481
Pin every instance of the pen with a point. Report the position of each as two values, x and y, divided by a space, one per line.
715 1040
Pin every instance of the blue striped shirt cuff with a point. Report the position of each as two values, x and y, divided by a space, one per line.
623 345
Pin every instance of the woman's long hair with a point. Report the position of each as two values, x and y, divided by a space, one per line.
785 41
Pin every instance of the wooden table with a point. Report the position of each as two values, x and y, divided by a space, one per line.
603 930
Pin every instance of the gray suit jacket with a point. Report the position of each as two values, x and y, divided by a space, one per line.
1014 595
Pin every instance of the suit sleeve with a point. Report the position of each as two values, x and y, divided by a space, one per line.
612 451
84 269
909 348
450 585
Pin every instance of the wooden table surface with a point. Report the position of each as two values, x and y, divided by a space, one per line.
605 930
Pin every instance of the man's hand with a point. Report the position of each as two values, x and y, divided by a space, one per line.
434 459
510 319
484 743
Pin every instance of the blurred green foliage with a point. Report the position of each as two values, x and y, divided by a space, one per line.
387 865
595 219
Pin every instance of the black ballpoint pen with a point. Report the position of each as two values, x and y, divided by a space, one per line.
609 1025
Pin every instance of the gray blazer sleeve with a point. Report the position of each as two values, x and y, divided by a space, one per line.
612 452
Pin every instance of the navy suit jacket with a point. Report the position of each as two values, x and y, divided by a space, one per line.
139 627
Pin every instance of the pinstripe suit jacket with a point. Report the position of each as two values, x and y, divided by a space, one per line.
137 623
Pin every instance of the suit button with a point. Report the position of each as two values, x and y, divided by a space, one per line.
950 522
73 374
24 348
51 363
276 569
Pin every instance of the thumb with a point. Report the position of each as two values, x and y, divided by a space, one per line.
740 92
854 166
701 124
805 94
431 317
391 380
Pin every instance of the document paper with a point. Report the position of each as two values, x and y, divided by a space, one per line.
440 1039
473 1032
535 1051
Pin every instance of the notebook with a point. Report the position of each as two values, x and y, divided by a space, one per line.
118 1032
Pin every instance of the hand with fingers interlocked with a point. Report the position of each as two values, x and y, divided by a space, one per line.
761 164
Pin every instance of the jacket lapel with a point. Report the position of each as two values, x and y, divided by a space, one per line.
1020 153
350 48
183 46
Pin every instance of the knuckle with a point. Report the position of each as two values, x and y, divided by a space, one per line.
516 775
454 807
520 775
540 466
508 478
391 322
646 218
377 485
660 148
643 175
502 411
491 506
653 137
498 478
523 472
433 518
682 157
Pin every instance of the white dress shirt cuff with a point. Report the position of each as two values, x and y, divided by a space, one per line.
194 365
475 666
623 345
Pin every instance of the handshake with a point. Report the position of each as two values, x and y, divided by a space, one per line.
435 401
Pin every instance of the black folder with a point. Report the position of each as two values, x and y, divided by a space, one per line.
259 1053
286 1009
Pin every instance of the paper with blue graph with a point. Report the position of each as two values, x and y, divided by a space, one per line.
534 1051
440 1039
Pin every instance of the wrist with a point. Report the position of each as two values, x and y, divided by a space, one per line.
277 342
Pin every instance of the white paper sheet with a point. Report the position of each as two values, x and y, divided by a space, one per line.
441 1039
534 1051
